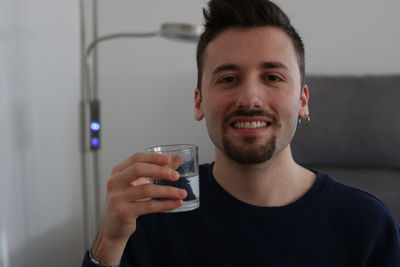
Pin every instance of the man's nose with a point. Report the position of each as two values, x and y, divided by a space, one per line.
250 96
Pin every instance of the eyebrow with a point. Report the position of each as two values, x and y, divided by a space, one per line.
264 65
225 67
274 65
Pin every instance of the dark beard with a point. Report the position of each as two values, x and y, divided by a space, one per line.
249 154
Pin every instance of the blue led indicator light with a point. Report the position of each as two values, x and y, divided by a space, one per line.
95 141
95 126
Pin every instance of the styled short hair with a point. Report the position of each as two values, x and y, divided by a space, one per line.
224 14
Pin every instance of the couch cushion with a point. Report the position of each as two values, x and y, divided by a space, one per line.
355 121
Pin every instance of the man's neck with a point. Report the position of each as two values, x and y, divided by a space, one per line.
276 182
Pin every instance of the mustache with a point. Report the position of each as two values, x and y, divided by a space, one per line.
250 113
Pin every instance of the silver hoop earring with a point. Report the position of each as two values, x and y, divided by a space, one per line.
305 121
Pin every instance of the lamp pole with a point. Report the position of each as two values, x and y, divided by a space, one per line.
91 136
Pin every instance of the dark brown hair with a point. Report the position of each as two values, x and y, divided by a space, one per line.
223 14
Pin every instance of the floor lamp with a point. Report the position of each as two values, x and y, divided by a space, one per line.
90 117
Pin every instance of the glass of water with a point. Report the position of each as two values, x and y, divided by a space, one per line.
185 161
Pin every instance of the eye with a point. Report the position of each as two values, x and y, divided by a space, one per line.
228 79
272 78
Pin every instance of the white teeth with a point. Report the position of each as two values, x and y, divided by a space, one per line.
248 124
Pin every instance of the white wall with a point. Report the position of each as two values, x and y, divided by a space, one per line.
146 85
40 197
348 37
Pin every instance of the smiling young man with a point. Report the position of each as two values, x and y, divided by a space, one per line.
258 206
251 97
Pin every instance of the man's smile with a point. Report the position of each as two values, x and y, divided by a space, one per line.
250 124
244 125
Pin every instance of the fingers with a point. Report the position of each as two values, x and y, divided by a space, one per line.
151 165
124 213
130 183
155 191
139 170
174 162
153 158
153 206
141 181
136 201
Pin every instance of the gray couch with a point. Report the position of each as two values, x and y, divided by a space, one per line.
354 134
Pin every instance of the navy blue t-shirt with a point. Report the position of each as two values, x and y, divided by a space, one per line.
331 225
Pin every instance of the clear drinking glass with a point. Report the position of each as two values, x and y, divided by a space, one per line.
185 161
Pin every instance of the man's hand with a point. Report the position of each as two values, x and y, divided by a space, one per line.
131 194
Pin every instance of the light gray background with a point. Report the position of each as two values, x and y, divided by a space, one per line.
146 88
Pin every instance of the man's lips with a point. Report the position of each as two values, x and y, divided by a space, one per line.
240 116
249 122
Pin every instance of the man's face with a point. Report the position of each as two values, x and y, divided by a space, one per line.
251 93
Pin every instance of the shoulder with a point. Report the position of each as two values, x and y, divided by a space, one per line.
356 206
353 197
362 217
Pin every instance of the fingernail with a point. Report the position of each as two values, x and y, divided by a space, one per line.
174 174
164 159
181 193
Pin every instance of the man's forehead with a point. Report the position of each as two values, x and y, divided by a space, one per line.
264 46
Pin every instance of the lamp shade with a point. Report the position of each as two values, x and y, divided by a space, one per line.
179 31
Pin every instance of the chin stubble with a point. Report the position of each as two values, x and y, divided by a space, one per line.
249 153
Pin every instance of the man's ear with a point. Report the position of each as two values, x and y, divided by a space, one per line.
198 111
304 97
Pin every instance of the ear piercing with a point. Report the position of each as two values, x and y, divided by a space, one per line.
305 120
